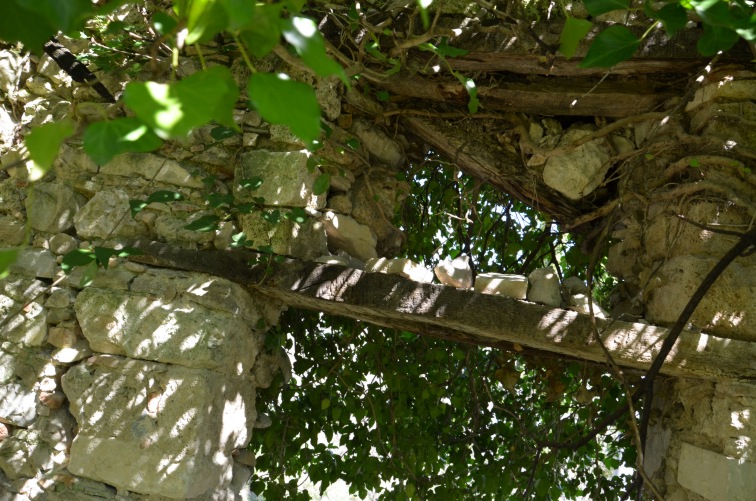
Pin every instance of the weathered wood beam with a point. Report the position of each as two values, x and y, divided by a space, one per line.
503 171
529 64
542 97
429 309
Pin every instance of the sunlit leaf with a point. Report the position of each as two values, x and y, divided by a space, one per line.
573 33
281 100
172 110
204 224
205 19
7 258
322 183
598 7
613 45
75 258
104 140
302 33
43 143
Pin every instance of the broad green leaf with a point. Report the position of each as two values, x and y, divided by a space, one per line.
172 110
598 7
205 19
673 16
7 258
382 95
272 217
324 404
163 23
281 100
43 143
241 14
321 184
75 258
33 22
302 33
713 12
573 32
715 39
204 224
613 45
136 207
264 32
104 140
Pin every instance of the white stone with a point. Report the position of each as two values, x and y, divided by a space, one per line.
17 405
378 143
716 477
577 172
402 267
573 285
455 273
107 215
337 260
579 303
346 234
502 284
172 429
544 287
149 166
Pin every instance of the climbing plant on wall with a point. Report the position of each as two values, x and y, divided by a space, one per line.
410 417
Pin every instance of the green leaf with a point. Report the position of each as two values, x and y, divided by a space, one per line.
172 110
715 39
613 45
321 184
103 254
324 404
136 207
673 16
204 224
7 258
251 183
220 132
216 200
382 95
598 7
164 23
272 217
297 214
573 32
164 196
104 140
33 22
445 50
302 33
43 143
472 90
261 35
75 258
281 100
205 19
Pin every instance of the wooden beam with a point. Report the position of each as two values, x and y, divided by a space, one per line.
430 309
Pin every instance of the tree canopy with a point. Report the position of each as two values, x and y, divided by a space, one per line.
405 415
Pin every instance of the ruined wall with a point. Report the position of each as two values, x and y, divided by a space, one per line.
702 434
139 383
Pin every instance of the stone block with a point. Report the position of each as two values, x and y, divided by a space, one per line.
346 234
12 231
35 263
455 273
288 238
502 284
149 166
27 325
715 477
167 430
178 331
577 172
17 405
51 207
403 267
286 179
106 215
544 287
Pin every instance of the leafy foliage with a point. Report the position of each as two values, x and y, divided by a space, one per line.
413 417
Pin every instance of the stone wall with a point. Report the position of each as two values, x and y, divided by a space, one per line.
700 444
137 383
